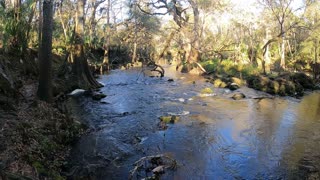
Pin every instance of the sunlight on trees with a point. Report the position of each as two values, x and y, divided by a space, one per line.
269 35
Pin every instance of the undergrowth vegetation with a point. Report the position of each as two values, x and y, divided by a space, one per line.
229 67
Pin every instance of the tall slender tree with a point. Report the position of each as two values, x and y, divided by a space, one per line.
281 10
45 78
107 37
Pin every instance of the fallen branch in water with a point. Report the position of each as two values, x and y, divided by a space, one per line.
201 68
263 97
155 164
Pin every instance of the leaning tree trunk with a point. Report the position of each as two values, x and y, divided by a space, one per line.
283 50
45 78
266 59
80 66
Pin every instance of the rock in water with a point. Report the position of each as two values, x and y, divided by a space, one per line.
170 80
181 100
77 92
238 96
158 170
98 96
169 119
206 91
233 86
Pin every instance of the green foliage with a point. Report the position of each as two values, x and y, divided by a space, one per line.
228 67
15 25
210 65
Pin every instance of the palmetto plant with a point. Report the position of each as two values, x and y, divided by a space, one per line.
16 24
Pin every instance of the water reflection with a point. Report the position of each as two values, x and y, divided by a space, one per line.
219 139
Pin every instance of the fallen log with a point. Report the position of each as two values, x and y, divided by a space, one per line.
157 164
201 68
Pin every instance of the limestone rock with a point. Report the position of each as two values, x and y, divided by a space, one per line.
233 86
238 96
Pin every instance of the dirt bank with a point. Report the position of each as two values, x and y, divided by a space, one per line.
35 136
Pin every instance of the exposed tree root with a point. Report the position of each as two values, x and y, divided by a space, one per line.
160 70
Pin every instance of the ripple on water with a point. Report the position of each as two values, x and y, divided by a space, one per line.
217 138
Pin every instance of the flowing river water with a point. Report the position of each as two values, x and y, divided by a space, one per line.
215 138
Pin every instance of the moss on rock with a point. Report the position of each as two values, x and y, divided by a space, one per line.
218 83
206 91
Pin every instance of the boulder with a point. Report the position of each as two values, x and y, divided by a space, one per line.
290 88
169 119
233 86
273 87
305 81
258 82
238 96
206 91
238 81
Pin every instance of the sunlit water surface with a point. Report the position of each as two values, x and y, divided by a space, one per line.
216 137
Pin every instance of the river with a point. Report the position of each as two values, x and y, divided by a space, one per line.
215 138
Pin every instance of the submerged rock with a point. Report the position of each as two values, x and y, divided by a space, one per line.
206 91
183 113
158 170
238 96
181 100
169 119
165 120
98 96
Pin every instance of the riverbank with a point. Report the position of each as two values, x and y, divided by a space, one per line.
35 136
232 76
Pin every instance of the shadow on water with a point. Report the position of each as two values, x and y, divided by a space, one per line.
216 136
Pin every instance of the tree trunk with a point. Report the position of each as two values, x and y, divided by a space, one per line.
45 78
266 58
80 66
134 55
166 45
63 25
283 52
40 23
195 44
17 5
30 22
107 39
